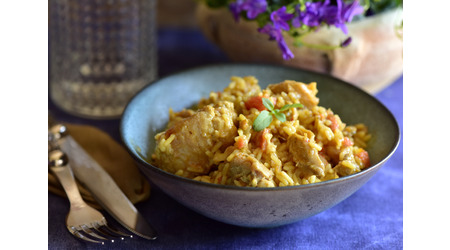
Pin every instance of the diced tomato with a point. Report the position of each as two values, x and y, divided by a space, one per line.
347 142
255 102
240 143
334 122
364 156
261 141
322 116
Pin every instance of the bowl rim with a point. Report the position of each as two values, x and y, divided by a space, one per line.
153 168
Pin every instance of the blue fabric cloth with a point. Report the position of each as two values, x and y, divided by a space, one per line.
371 218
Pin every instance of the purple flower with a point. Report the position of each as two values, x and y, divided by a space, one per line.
280 18
236 9
343 13
287 53
316 13
275 34
311 16
331 13
253 8
351 10
333 16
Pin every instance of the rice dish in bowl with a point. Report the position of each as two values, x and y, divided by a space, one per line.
147 115
273 137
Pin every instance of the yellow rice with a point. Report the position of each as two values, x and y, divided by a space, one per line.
315 124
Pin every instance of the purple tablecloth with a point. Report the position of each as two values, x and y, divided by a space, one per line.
371 218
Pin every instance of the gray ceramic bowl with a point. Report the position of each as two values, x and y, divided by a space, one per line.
147 114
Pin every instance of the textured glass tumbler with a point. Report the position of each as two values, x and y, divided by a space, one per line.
102 52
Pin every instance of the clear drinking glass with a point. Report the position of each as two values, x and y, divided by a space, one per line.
101 53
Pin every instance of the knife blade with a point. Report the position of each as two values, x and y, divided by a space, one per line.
102 186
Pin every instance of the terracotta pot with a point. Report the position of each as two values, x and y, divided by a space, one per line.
372 61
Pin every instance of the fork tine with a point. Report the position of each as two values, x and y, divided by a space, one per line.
89 231
105 229
114 233
103 224
81 236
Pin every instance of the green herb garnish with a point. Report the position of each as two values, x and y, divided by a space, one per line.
266 116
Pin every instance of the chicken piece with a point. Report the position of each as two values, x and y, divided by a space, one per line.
347 165
307 92
332 152
190 139
242 165
175 117
305 155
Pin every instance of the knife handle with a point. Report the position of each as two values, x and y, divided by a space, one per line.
58 163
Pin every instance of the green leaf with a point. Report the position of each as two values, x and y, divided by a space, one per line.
265 117
288 106
262 121
267 103
262 19
279 116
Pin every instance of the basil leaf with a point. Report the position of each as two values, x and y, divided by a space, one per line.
288 106
267 103
262 121
279 116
